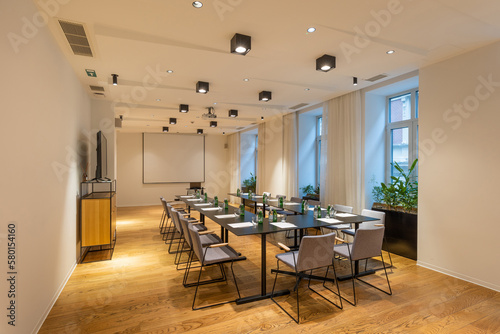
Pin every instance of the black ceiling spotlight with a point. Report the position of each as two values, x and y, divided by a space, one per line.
115 79
199 131
262 118
233 113
355 81
165 129
213 124
202 87
183 108
241 44
173 121
265 96
325 63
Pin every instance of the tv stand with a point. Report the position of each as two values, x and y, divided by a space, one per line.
97 220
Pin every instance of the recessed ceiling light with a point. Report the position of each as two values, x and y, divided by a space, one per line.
311 29
215 103
390 52
158 100
223 133
197 4
307 89
262 117
246 79
170 71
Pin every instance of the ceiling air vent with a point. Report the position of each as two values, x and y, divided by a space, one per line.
377 77
298 106
77 39
96 88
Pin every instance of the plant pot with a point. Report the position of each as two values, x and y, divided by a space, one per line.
314 197
400 231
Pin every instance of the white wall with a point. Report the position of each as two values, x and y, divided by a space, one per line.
132 192
43 140
458 170
307 150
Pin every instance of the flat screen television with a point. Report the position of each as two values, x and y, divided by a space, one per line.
101 171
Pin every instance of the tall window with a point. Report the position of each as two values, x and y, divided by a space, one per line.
402 131
319 121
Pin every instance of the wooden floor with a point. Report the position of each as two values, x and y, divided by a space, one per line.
140 291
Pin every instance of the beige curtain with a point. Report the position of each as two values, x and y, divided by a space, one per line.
261 149
343 180
233 143
290 155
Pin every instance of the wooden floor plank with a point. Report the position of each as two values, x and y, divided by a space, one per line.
140 291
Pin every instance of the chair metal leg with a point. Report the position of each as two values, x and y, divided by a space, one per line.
201 282
324 285
274 300
386 276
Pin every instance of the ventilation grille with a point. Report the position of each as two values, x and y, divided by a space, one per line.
298 106
377 77
96 88
99 94
77 39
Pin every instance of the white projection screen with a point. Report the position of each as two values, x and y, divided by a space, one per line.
170 158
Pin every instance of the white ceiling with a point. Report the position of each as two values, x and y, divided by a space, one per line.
140 40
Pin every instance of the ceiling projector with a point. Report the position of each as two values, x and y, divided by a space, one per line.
210 114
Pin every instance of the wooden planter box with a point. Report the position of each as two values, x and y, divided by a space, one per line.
400 232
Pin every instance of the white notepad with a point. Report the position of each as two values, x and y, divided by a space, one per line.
257 196
224 216
238 225
210 209
345 215
283 225
194 200
203 204
188 196
291 203
330 220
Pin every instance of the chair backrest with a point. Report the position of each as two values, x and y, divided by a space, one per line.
196 242
164 204
184 223
313 202
296 199
367 243
315 251
342 208
374 214
169 208
175 218
278 196
268 194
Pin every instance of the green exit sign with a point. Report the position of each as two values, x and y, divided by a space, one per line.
91 73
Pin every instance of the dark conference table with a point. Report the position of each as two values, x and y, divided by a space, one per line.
299 221
271 203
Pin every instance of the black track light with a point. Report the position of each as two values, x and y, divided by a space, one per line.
199 131
265 96
233 113
355 81
165 129
241 44
115 79
202 87
213 124
325 63
173 121
184 108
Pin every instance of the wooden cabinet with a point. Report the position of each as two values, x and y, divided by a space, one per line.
98 218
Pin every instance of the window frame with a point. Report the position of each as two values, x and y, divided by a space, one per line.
411 124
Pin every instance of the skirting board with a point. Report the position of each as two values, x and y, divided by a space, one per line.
460 276
54 299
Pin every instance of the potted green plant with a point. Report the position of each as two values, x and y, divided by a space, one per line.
249 184
399 201
310 192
